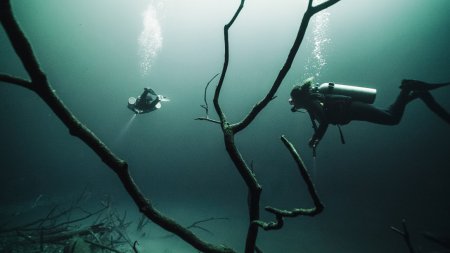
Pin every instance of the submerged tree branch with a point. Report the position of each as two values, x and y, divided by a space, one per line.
205 106
42 87
208 119
279 213
15 80
225 65
235 156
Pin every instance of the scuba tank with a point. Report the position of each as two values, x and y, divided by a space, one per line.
362 94
356 93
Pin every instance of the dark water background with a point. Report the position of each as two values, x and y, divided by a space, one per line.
90 53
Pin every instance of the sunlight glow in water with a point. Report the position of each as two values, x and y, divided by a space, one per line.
150 40
319 41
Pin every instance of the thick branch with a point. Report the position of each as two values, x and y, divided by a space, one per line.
208 119
235 155
225 65
279 213
76 128
252 184
21 45
206 106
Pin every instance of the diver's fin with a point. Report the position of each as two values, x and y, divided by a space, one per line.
434 106
416 85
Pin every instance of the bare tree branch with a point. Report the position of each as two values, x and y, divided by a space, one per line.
225 65
15 80
205 106
279 213
196 224
208 119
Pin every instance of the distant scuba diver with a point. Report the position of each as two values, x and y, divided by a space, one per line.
145 102
339 104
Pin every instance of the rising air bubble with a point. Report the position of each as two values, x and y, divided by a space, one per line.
319 41
150 40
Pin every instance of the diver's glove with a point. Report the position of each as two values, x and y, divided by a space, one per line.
313 142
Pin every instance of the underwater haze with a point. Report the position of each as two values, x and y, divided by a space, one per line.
97 54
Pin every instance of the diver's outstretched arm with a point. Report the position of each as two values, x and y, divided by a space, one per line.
428 99
151 91
318 135
154 102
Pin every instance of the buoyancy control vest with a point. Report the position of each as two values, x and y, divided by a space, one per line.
334 94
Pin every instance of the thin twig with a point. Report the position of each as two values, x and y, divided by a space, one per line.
196 224
15 80
99 245
205 106
208 119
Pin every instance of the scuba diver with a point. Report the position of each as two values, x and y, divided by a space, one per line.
339 104
145 102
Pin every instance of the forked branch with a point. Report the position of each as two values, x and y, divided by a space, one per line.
280 213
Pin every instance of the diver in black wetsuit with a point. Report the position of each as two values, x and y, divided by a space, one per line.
340 109
148 101
145 102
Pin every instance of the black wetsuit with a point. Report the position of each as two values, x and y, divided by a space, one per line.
145 102
340 110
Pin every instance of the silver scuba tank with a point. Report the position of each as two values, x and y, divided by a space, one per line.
362 94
